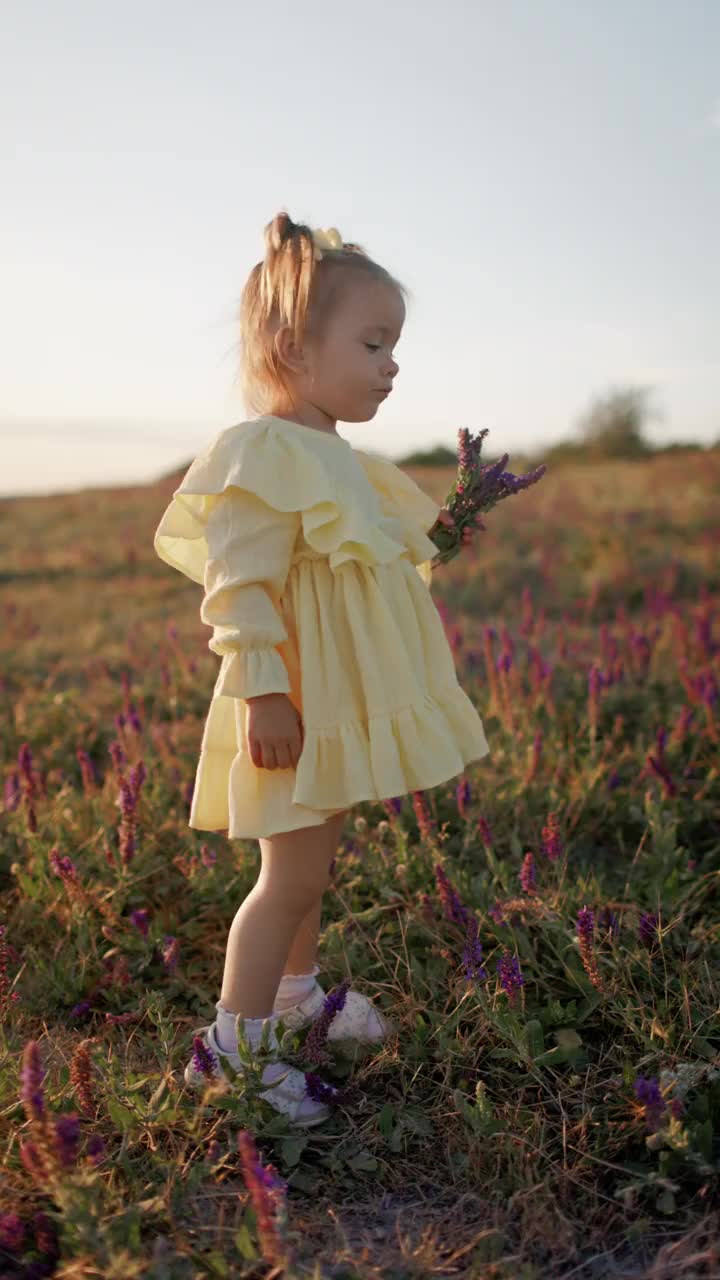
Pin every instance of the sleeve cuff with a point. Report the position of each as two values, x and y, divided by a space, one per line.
249 673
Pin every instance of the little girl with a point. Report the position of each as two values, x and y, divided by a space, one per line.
337 684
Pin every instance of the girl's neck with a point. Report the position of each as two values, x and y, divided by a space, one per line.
307 415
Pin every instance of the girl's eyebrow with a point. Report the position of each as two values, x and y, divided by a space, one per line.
377 328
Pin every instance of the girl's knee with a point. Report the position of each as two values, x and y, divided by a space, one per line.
293 896
297 882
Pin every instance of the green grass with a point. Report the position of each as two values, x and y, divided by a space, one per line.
499 1134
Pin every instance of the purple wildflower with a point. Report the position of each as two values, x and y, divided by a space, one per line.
463 796
393 806
660 767
62 866
95 1148
46 1233
34 1160
127 802
317 1036
12 1232
80 1009
473 954
497 913
87 770
551 844
32 1077
7 997
117 755
12 792
648 1094
67 1136
454 908
586 945
648 929
170 952
203 1058
423 818
140 918
320 1091
268 1195
511 978
484 831
528 876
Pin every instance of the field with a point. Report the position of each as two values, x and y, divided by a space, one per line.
545 930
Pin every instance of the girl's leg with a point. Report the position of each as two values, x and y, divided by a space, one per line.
303 951
292 879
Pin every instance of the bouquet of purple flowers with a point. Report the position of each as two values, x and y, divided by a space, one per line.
477 488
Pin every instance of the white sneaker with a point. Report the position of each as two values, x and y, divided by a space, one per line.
288 1091
357 1020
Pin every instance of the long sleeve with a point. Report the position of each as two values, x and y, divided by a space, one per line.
250 547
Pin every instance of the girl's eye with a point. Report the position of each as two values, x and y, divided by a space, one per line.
374 346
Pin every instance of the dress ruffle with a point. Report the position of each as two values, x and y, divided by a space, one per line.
408 511
288 467
390 754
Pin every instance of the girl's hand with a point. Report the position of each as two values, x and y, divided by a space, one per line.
275 731
468 532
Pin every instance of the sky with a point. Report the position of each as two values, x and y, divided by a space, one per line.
543 176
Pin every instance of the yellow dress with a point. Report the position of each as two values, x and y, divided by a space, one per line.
315 562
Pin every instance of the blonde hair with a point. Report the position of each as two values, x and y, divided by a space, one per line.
291 287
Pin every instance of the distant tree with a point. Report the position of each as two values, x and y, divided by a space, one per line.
563 451
613 426
681 446
441 455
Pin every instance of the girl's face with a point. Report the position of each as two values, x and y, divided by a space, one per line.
348 373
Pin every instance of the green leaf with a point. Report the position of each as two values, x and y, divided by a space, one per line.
133 1085
244 1244
702 1138
159 1099
364 1162
396 1142
304 1180
568 1038
123 1118
216 1263
292 1149
534 1037
385 1120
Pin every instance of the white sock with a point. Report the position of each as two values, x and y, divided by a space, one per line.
293 989
226 1032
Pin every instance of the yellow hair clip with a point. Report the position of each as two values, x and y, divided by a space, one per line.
330 239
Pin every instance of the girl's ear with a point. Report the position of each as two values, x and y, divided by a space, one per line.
289 353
